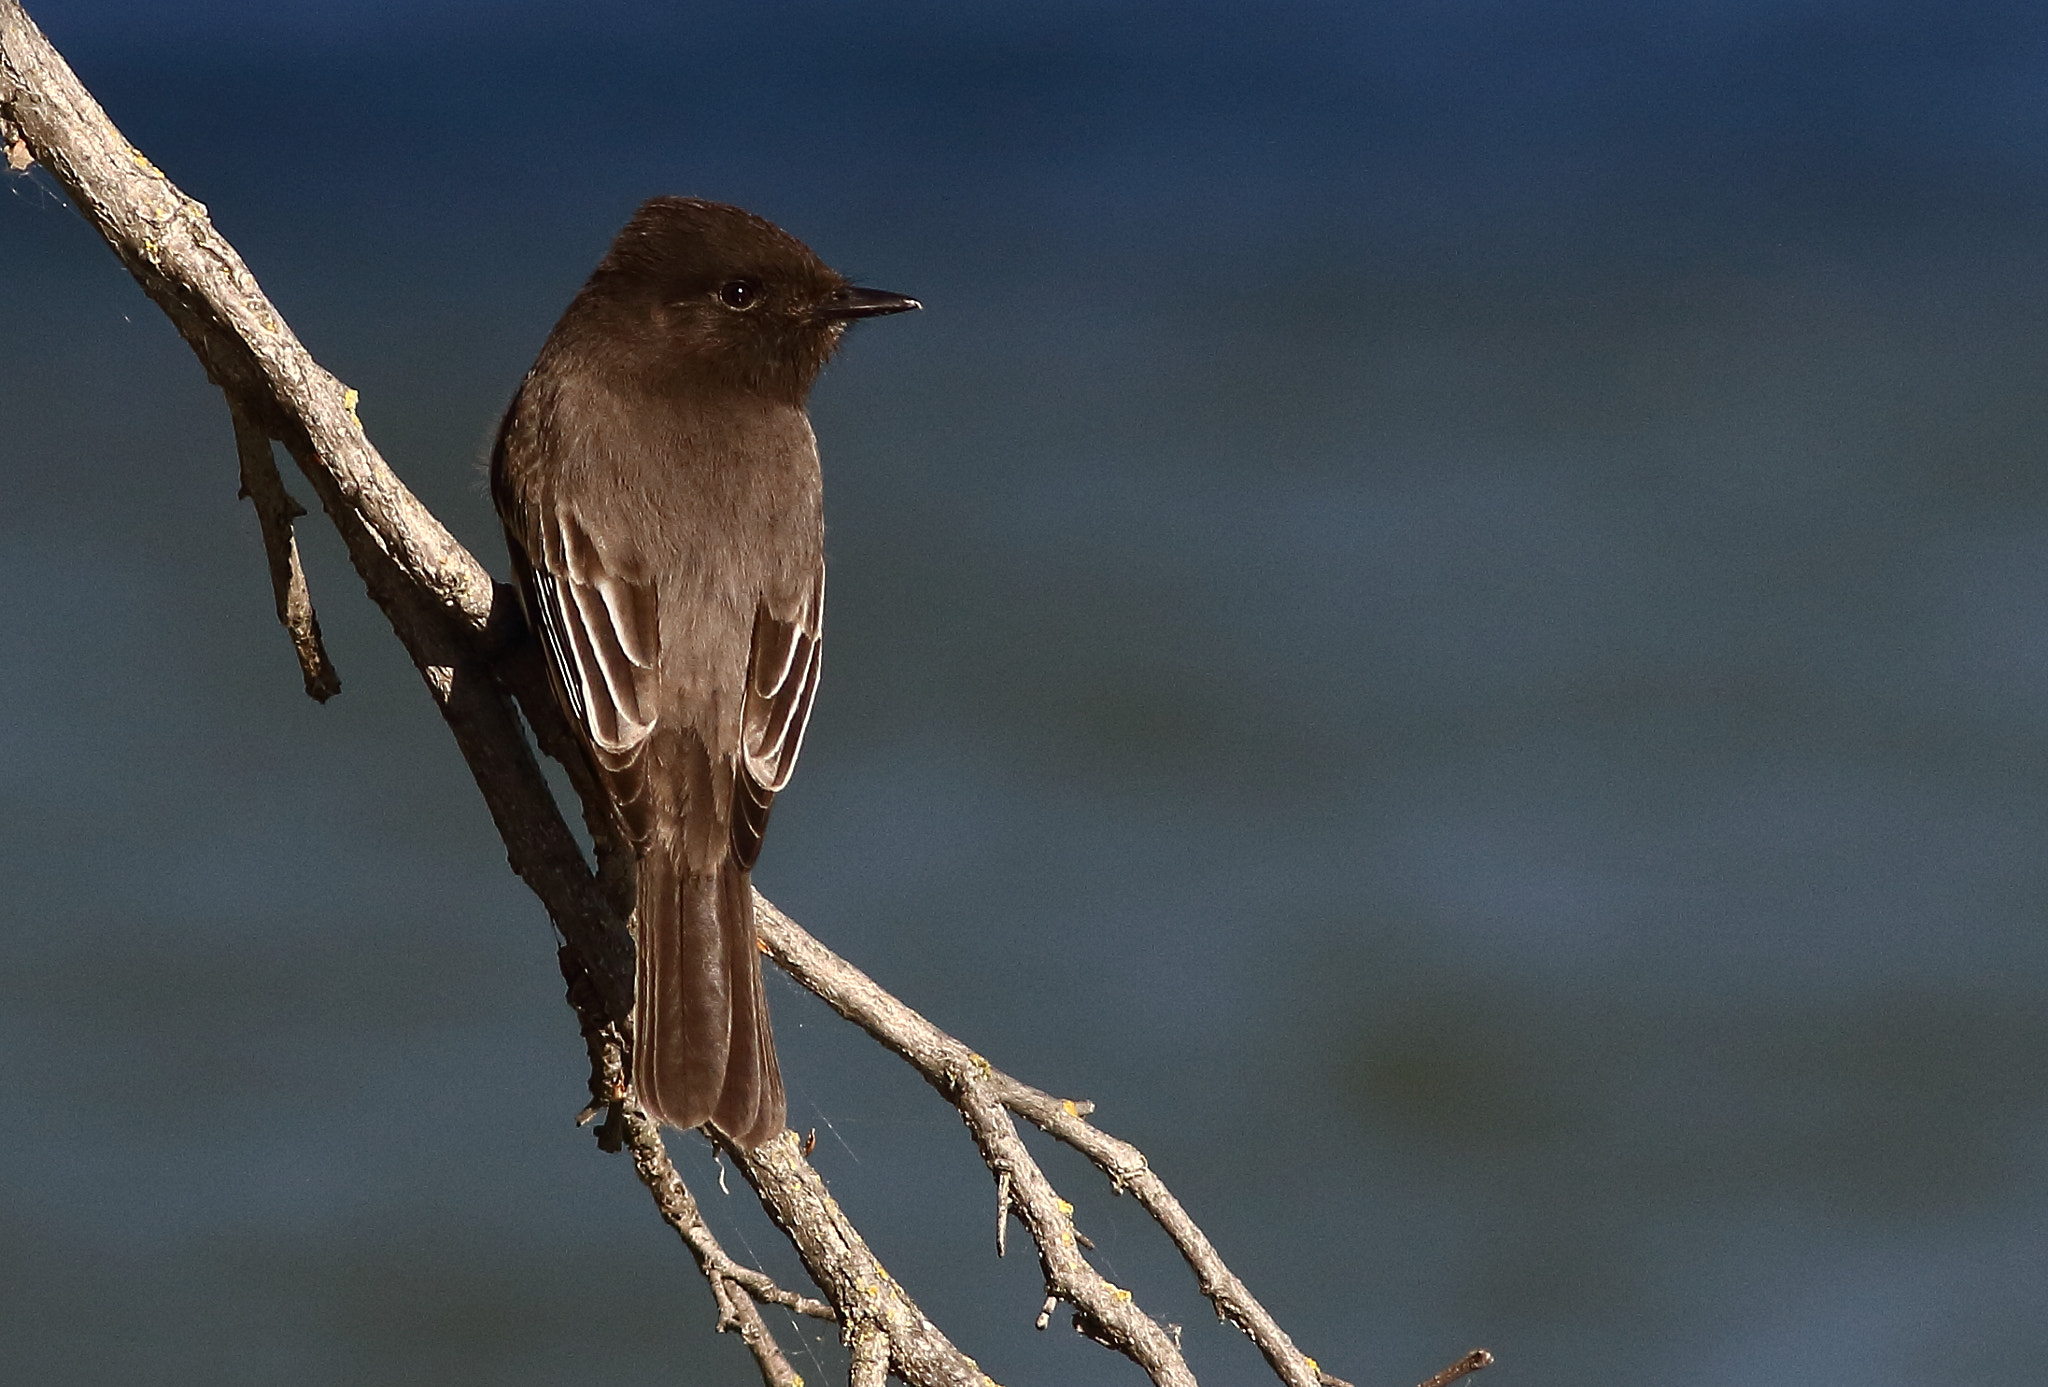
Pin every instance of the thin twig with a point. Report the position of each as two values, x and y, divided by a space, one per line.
275 512
1471 1363
1104 1311
1128 1169
1002 1213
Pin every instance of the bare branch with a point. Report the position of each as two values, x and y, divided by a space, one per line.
981 1092
870 1359
468 640
167 242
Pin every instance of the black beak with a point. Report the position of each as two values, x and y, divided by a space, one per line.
851 301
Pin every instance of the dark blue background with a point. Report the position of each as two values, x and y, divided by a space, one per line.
1446 612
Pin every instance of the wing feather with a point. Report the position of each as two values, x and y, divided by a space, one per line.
610 629
783 667
785 662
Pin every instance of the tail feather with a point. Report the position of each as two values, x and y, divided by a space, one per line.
703 1051
771 1115
750 1110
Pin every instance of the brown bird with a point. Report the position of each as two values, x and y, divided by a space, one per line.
659 484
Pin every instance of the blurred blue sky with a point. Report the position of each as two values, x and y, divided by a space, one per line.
1444 612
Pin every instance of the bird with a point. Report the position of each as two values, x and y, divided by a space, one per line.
659 485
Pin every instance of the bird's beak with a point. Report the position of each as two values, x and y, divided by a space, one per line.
851 301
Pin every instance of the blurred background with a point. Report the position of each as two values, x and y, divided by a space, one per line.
1446 612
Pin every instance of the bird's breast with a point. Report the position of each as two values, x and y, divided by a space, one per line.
725 493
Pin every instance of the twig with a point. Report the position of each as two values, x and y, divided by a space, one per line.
1105 1312
1127 1169
275 512
1471 1363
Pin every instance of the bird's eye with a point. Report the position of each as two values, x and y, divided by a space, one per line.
740 294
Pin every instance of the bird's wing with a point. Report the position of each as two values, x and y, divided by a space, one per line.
782 678
602 639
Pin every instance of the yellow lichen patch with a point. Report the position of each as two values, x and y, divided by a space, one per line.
349 396
1122 1294
1068 1106
1065 1207
142 162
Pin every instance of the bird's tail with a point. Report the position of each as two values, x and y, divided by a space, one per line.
702 1048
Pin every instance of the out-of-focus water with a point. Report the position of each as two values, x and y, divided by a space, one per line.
1446 612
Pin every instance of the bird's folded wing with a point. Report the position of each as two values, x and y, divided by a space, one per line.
782 678
602 638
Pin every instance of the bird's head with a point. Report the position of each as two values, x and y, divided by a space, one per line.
701 293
